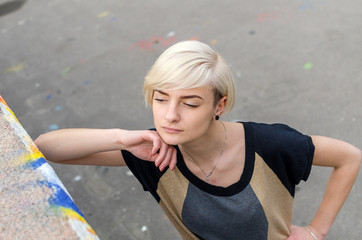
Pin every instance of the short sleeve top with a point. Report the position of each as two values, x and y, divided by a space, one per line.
258 206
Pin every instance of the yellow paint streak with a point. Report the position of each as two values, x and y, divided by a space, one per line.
32 156
103 14
33 152
74 215
13 69
12 113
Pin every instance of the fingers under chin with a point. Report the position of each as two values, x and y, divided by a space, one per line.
173 159
165 162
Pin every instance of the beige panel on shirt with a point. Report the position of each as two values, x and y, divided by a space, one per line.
275 199
172 189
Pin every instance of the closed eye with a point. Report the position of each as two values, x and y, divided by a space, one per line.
159 99
191 105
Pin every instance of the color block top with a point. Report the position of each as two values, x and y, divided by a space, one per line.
258 206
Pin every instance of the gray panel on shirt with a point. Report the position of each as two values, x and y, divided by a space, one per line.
240 216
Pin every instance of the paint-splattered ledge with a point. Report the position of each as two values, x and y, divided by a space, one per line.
34 202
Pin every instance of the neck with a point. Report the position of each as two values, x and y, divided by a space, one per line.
206 148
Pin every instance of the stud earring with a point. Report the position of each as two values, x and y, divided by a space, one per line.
217 117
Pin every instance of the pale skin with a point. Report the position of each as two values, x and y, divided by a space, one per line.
185 118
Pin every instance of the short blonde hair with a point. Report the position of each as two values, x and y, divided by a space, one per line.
190 64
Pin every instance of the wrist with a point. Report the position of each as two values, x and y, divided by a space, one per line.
120 136
314 232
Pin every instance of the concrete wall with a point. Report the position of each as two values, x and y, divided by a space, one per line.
34 203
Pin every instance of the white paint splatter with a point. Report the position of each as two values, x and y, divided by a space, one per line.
238 74
171 34
49 174
77 178
21 22
82 230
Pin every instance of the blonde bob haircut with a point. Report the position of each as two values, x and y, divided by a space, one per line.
190 64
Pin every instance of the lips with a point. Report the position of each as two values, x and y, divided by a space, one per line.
171 130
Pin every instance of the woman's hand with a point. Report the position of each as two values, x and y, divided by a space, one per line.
149 146
301 233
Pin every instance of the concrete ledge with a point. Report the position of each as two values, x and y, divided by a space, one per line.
34 204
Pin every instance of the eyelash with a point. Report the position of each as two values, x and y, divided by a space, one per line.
190 105
159 100
187 104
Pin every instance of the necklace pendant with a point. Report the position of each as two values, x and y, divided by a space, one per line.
208 176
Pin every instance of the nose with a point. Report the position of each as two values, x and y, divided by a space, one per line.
172 115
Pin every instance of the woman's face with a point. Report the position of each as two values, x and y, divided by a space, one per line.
181 116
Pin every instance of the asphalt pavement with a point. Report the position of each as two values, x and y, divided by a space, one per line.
81 63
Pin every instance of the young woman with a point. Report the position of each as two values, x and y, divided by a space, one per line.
214 179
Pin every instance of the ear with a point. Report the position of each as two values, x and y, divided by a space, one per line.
220 106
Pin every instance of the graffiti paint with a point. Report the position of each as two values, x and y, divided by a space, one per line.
103 14
53 127
149 44
66 71
282 15
70 68
308 66
58 108
306 5
34 204
14 69
213 42
287 14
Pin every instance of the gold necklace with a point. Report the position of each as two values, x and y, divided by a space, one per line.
208 175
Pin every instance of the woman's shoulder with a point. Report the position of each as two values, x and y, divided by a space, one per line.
270 130
272 136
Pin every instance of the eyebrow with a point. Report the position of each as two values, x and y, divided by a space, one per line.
182 97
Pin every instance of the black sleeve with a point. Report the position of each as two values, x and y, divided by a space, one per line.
287 152
146 172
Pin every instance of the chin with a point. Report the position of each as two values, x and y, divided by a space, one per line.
172 139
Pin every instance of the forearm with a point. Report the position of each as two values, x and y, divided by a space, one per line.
336 193
339 185
67 144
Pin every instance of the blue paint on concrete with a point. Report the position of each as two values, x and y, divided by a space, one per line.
60 197
36 163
